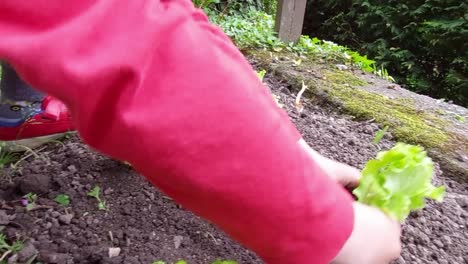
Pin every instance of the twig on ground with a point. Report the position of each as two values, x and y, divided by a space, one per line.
298 104
30 153
5 255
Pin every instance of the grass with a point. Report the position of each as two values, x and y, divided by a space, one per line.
6 157
6 248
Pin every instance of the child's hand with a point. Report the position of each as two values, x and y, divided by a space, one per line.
346 175
375 238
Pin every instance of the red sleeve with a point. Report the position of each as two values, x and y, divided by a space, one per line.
153 83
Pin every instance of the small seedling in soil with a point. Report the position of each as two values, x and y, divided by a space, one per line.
95 193
29 200
261 74
398 181
224 262
379 135
6 157
62 199
6 249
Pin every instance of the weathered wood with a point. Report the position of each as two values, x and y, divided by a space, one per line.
289 19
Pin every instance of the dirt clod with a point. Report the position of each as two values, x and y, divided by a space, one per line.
4 218
65 219
13 259
35 183
27 252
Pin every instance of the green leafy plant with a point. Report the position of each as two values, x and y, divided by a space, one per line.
398 181
251 28
383 73
95 193
6 248
379 135
62 199
29 200
247 28
204 3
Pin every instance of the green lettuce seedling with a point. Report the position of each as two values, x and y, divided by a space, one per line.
398 181
379 135
29 200
62 199
95 193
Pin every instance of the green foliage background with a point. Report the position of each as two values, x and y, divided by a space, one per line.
422 43
250 24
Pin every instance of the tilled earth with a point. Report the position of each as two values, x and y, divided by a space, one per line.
147 226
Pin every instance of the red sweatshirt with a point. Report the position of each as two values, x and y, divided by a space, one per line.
153 83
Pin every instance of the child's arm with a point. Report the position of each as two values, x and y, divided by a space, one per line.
153 83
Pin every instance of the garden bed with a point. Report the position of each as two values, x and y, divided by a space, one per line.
147 226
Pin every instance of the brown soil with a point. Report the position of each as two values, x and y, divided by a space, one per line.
147 226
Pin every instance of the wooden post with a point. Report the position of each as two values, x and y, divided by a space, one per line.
289 19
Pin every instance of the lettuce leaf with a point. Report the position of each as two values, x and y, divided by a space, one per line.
398 181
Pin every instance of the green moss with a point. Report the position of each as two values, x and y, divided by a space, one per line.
406 101
343 78
405 121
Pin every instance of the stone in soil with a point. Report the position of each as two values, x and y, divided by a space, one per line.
143 223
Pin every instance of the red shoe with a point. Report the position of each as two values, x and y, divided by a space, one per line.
34 123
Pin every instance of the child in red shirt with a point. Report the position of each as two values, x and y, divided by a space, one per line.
152 82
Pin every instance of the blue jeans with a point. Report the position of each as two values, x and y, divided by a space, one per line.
18 100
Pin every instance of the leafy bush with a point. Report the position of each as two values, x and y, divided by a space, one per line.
423 43
250 28
224 5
